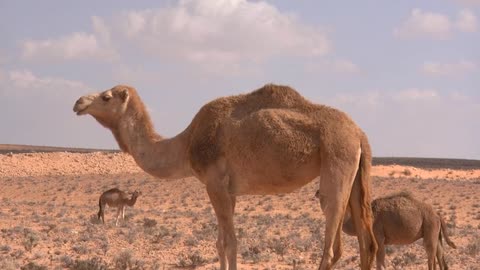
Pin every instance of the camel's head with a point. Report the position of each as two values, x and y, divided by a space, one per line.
107 107
136 193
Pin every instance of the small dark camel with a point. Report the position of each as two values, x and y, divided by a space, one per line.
116 198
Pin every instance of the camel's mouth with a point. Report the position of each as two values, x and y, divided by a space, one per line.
82 104
81 112
80 108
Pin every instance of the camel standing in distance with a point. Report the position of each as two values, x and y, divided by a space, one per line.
116 198
400 219
269 141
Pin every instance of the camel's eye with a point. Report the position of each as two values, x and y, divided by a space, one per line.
106 98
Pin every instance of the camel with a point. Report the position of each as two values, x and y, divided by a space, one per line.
116 198
268 141
400 219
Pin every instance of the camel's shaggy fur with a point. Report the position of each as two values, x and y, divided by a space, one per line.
269 141
400 219
116 198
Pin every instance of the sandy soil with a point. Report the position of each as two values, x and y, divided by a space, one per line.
49 201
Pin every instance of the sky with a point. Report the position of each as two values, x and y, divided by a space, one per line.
408 72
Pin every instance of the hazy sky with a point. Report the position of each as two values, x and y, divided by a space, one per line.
408 72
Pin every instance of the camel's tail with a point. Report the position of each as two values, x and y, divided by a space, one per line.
360 205
443 231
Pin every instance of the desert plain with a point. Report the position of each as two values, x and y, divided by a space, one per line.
49 205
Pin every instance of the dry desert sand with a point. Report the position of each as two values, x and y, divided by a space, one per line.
49 202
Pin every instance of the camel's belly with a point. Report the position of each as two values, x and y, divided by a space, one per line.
270 179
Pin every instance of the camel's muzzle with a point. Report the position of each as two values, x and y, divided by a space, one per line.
82 104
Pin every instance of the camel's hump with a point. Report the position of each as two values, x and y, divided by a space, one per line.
204 127
276 94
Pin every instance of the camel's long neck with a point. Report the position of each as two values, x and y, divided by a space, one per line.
163 158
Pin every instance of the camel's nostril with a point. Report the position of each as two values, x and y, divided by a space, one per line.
79 101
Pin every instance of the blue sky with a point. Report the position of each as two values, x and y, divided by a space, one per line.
408 72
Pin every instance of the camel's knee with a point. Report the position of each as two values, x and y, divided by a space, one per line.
230 242
220 245
327 259
337 255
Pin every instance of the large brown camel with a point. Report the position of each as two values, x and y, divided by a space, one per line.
400 219
269 141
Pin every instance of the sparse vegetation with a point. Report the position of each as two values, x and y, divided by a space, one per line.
407 172
179 224
473 248
125 260
89 264
191 260
31 240
33 266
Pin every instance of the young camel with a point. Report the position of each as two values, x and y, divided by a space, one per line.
116 198
269 141
400 219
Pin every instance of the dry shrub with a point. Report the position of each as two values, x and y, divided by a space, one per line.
191 260
89 264
33 266
473 249
125 260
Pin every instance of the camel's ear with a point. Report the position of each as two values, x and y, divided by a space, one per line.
124 94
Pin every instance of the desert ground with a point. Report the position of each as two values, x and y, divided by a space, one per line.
49 205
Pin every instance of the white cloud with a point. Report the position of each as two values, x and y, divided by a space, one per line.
78 45
421 23
447 69
469 2
24 81
467 22
336 66
378 98
415 94
221 32
345 66
435 25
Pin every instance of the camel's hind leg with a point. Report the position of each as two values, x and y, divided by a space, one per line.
337 245
101 212
335 186
362 217
431 231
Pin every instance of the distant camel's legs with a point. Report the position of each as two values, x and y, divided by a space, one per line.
119 209
101 214
336 198
223 204
379 235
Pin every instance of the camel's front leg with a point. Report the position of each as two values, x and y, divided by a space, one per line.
337 246
224 203
118 215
